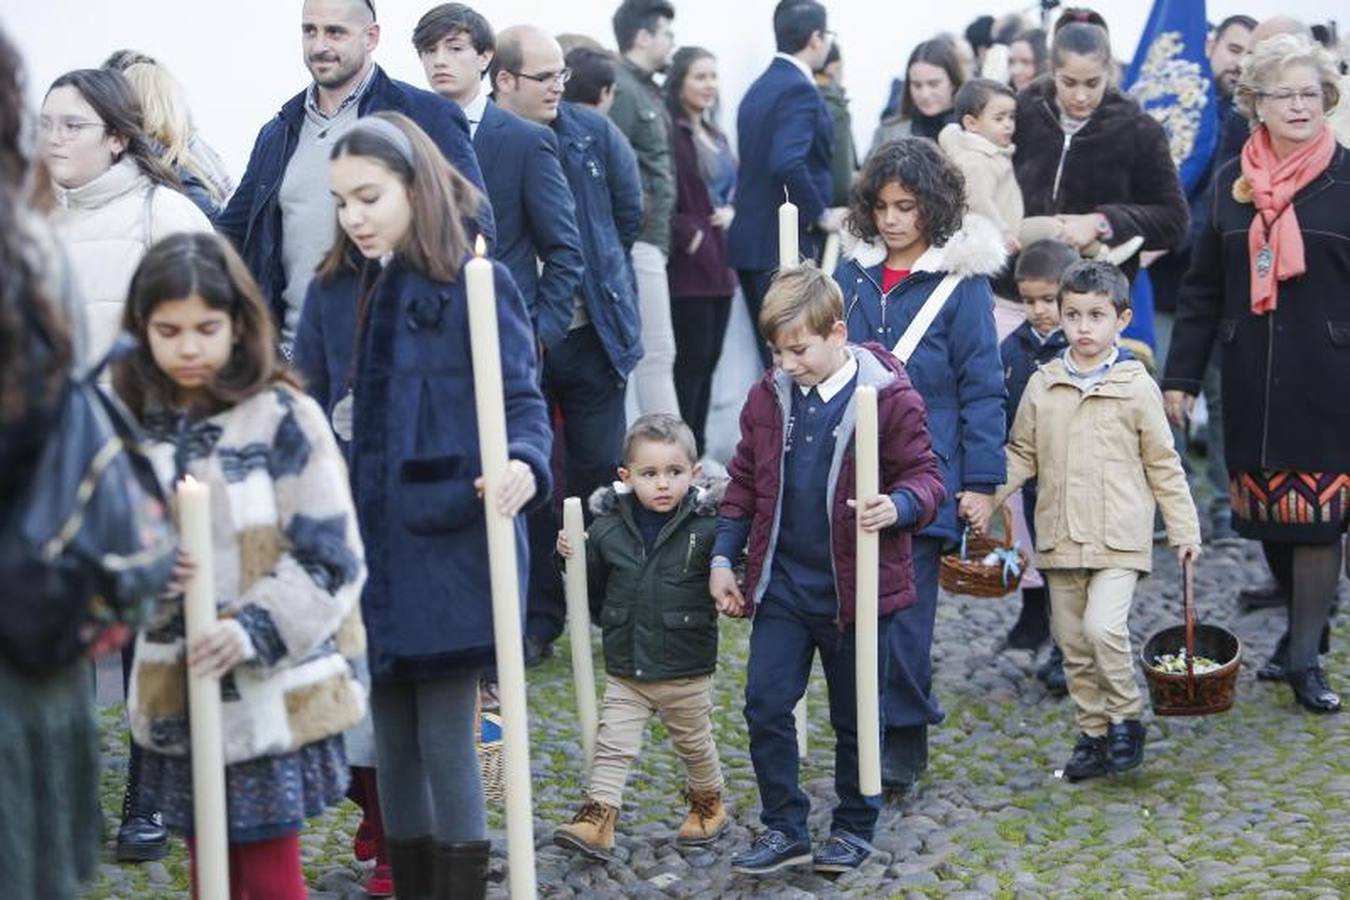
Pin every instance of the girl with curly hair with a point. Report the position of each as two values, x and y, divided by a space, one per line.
907 212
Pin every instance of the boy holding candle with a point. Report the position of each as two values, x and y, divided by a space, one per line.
790 499
1092 430
646 571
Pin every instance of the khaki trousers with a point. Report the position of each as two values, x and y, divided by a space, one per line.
1089 615
685 708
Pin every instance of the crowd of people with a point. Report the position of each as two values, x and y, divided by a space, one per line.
299 345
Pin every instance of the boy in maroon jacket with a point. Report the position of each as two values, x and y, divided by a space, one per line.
791 499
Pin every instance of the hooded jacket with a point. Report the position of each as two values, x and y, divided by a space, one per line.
755 492
991 186
656 616
956 367
1118 164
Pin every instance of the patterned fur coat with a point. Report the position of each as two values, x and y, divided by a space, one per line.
288 566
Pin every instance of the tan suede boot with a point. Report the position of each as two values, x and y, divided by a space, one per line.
591 831
706 820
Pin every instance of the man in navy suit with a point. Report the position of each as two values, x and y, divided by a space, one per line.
536 218
786 140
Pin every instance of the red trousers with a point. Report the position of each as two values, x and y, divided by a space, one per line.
261 870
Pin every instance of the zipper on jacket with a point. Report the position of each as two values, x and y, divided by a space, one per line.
1059 170
689 554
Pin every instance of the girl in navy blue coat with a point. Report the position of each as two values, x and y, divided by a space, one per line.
906 214
384 344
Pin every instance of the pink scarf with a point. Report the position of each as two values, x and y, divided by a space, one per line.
1274 241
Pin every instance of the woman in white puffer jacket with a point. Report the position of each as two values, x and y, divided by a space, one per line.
112 197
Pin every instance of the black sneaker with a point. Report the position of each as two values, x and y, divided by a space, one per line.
1088 759
1051 673
843 852
1125 745
770 852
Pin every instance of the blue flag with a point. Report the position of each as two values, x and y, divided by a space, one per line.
1170 79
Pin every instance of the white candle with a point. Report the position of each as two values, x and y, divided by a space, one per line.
501 535
865 606
830 258
209 814
788 254
579 626
799 718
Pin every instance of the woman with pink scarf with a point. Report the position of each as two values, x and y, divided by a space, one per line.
1269 289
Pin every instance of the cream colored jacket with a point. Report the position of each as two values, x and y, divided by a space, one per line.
1104 461
991 186
106 226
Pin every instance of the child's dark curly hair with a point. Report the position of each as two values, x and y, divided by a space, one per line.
920 168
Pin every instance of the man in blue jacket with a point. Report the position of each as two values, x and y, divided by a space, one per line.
282 215
786 141
531 202
586 373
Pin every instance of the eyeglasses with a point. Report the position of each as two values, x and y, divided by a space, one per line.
1308 96
561 77
65 129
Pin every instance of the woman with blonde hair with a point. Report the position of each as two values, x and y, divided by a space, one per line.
168 123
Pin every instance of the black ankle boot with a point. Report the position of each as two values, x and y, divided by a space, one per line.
1033 624
1273 670
413 865
141 836
461 871
1051 673
904 757
1312 691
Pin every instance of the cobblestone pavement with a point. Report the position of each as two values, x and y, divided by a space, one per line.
1255 802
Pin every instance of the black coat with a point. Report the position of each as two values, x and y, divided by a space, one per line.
1118 164
1284 374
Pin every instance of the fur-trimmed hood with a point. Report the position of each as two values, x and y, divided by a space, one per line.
976 249
707 492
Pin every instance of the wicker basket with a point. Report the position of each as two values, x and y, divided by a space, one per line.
965 572
490 756
1192 694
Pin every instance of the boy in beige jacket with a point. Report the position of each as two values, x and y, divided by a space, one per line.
1092 430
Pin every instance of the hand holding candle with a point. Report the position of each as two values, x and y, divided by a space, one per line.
865 616
210 823
501 537
579 625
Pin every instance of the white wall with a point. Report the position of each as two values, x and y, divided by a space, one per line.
241 59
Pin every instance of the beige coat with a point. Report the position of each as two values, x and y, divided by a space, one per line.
991 186
106 226
1104 462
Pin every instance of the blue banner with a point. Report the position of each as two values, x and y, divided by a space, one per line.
1170 79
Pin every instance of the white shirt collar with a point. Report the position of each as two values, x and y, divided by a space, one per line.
474 112
836 382
801 66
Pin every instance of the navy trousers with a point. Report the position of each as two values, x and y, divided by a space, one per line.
907 699
783 641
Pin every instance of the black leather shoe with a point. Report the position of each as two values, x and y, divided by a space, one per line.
770 852
1088 759
1032 628
1312 691
904 757
536 651
843 852
142 838
1051 673
1273 670
1125 745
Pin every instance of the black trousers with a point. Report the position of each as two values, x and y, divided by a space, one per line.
579 383
700 324
754 285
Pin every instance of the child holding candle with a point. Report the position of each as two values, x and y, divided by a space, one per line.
219 406
790 499
647 574
1092 431
384 345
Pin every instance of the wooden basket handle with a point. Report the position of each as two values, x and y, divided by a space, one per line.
1188 602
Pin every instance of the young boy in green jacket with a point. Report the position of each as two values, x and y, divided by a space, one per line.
647 558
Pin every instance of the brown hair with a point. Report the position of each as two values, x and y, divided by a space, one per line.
660 428
441 199
802 297
203 265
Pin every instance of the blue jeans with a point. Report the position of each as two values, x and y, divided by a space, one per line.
907 699
783 642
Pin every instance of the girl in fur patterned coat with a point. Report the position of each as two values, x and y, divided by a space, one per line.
288 562
906 214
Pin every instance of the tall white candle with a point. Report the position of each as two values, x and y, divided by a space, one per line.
209 813
579 626
865 607
788 254
501 535
829 259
